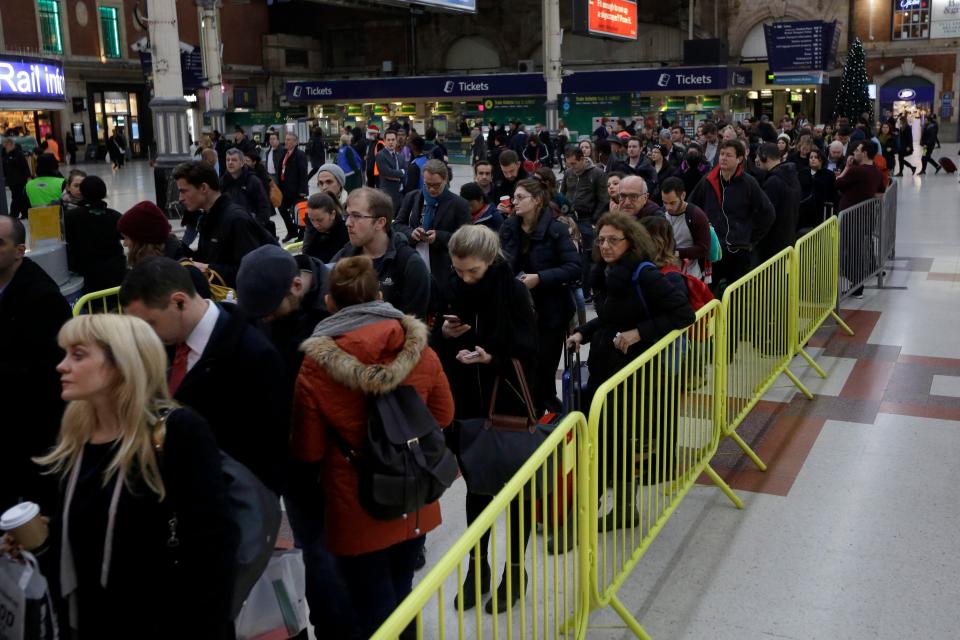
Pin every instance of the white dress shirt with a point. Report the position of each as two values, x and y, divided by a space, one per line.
200 336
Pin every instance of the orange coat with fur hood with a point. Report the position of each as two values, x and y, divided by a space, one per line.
331 389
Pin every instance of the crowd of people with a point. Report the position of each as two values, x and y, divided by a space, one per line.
400 282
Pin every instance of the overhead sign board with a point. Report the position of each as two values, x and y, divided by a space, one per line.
506 84
657 80
453 5
945 19
35 79
808 45
191 68
606 18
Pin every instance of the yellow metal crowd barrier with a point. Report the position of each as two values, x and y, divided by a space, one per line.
106 301
553 600
759 320
816 269
654 427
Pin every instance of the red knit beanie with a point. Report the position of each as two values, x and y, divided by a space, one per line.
145 223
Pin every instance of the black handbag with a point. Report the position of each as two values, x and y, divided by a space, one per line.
493 449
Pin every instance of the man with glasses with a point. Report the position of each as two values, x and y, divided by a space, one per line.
429 217
635 199
404 279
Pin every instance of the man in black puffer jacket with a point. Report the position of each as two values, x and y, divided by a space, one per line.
244 187
782 186
739 210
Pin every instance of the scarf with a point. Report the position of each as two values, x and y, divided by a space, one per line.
356 316
430 206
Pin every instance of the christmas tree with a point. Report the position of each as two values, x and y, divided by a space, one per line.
854 97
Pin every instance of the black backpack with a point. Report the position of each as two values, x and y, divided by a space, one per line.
405 463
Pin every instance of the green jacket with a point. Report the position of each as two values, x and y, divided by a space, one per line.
43 191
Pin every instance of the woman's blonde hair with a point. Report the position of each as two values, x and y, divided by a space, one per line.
474 241
661 234
139 362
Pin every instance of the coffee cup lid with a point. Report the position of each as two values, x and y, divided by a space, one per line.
19 515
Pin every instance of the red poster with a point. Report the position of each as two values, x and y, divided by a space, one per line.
613 18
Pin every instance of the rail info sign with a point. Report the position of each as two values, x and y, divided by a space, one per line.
31 79
606 18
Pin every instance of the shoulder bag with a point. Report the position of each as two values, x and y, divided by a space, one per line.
493 449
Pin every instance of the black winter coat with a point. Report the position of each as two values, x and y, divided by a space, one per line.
740 212
16 169
619 309
503 323
905 142
644 169
552 255
782 187
239 385
324 246
226 235
195 579
248 192
452 213
32 310
289 332
404 280
93 245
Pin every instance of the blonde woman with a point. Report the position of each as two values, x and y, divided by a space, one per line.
146 548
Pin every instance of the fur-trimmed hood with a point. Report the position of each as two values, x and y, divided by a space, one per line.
373 359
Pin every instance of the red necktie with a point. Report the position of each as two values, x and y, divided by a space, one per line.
179 369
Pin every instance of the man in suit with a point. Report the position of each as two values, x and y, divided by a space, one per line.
392 168
293 183
222 366
429 217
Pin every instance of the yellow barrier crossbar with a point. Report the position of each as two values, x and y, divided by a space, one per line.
817 272
654 427
98 302
760 319
557 586
295 248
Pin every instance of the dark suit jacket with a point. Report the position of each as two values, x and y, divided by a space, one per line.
239 385
293 179
452 213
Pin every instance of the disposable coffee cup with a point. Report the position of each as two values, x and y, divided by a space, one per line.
25 526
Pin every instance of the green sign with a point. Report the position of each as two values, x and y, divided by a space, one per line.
529 110
249 118
578 111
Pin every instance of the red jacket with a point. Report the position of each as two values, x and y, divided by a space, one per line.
336 375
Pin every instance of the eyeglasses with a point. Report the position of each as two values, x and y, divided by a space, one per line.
632 196
610 240
359 216
520 198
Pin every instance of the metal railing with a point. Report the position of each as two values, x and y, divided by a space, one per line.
105 301
868 237
553 601
816 271
654 426
759 322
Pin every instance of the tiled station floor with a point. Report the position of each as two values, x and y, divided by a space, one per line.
852 532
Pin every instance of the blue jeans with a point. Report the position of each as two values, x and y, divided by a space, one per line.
330 611
379 581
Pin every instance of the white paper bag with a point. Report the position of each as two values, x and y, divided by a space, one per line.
276 607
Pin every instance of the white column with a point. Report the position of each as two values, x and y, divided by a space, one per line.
168 105
210 23
552 66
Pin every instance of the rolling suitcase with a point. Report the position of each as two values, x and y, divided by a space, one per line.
948 165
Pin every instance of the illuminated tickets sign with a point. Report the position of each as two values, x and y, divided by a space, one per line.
31 79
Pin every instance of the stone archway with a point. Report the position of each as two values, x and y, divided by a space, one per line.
908 68
471 53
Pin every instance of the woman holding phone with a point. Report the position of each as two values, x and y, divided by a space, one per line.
489 320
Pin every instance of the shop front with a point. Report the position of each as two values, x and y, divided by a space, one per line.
119 108
912 95
441 102
684 95
780 93
32 99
